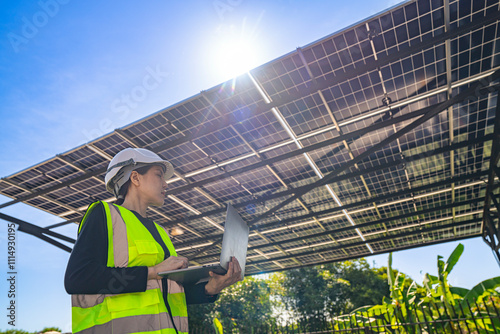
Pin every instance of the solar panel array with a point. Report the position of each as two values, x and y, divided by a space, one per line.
373 139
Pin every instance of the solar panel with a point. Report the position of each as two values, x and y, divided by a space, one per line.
374 139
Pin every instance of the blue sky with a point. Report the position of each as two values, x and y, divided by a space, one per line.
67 67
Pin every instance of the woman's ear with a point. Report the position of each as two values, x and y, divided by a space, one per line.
134 178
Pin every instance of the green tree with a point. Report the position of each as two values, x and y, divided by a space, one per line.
366 285
246 304
20 331
317 294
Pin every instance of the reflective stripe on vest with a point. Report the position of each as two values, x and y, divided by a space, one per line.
130 244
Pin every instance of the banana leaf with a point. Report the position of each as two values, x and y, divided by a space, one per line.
489 285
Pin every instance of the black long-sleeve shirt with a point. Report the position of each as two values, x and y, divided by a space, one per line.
87 271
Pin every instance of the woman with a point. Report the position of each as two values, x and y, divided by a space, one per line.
112 273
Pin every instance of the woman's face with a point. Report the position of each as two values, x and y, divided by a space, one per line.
152 186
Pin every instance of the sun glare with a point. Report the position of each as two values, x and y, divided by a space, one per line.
233 50
233 58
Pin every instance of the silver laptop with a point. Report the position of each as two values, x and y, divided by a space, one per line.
234 243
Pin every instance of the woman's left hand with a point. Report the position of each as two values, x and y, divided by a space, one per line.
218 282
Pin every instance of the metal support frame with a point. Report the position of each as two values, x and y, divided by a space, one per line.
473 92
347 176
491 219
39 232
339 139
467 94
378 199
284 99
478 88
373 240
491 228
376 252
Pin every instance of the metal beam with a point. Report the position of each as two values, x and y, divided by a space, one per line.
491 224
39 232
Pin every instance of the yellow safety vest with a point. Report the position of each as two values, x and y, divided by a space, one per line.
130 244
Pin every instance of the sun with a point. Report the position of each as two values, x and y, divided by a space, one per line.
235 58
234 52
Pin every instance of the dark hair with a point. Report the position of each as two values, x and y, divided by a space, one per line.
124 189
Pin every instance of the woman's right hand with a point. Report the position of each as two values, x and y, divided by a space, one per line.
172 263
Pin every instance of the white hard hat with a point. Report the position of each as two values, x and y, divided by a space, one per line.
128 160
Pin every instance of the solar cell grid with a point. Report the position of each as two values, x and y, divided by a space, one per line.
50 206
306 115
396 226
317 137
215 133
231 190
150 138
197 200
186 158
111 144
306 230
372 184
283 66
262 180
32 180
86 158
468 229
227 106
404 205
350 191
4 186
294 169
261 130
377 230
67 195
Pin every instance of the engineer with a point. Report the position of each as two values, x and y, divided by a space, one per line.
112 273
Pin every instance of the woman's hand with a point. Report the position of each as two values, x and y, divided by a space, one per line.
172 263
218 282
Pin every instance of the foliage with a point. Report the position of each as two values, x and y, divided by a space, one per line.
319 293
310 294
320 298
242 305
218 326
19 331
436 302
50 329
